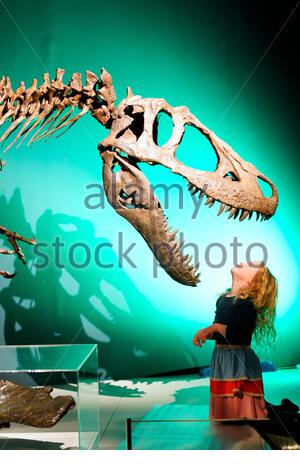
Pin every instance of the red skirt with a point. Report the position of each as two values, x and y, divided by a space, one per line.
236 386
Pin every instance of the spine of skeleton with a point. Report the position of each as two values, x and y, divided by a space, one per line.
38 112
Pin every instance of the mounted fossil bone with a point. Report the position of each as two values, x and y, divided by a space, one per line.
33 406
132 140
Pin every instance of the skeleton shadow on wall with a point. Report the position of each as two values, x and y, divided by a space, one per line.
39 310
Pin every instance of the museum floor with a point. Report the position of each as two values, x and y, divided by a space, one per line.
164 398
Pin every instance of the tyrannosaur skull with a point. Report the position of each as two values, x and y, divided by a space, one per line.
133 140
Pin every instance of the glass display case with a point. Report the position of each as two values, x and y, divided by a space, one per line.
70 369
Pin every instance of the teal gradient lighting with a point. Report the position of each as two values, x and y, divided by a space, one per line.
197 56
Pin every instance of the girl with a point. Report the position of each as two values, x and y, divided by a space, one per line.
236 387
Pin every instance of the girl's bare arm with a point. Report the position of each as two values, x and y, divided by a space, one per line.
216 328
205 333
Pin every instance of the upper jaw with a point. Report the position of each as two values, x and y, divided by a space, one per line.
237 198
230 209
240 198
150 221
243 195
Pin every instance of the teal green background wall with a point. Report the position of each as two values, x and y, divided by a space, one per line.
199 54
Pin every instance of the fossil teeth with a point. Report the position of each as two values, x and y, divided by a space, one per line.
250 214
181 243
227 208
222 207
189 259
236 213
196 267
172 235
202 194
192 188
243 215
257 215
233 209
209 201
176 248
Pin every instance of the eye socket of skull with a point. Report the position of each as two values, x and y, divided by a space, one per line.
157 124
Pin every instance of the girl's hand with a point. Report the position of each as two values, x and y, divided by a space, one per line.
200 337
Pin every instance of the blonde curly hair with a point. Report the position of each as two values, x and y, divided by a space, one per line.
263 291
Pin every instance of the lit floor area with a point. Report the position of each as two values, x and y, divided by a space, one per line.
181 397
162 398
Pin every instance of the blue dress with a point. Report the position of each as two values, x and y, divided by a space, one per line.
236 386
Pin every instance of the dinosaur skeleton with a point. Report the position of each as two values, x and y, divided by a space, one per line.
39 112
